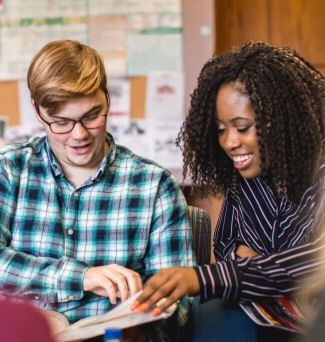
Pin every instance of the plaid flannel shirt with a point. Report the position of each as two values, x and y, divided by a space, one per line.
131 212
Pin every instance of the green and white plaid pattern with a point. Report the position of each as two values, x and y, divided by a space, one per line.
131 212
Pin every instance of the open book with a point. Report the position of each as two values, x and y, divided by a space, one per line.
119 317
282 313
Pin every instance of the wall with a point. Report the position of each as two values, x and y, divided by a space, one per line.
296 23
199 45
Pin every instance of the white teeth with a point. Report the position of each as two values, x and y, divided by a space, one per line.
238 159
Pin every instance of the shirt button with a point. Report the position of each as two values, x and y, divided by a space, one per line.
70 231
76 194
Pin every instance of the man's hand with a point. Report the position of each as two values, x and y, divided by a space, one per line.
112 281
246 252
171 284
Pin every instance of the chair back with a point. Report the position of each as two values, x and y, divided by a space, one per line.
201 227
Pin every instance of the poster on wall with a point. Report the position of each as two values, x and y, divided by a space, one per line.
133 37
165 95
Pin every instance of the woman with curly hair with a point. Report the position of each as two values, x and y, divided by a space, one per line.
255 133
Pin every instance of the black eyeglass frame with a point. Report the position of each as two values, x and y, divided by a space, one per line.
71 120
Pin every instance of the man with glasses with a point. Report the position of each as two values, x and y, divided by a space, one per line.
83 221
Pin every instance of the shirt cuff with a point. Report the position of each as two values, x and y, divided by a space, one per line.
70 280
220 280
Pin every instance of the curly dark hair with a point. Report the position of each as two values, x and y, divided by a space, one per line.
287 94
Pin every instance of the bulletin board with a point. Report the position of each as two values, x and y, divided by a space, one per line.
141 42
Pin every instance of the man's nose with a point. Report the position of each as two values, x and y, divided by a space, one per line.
79 130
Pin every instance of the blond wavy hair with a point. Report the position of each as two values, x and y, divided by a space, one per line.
62 70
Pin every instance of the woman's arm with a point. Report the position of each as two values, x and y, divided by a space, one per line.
248 278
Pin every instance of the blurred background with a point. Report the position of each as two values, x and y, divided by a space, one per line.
153 52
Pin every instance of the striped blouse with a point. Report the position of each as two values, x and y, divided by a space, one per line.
279 230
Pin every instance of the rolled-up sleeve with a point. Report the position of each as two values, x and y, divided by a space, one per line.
254 278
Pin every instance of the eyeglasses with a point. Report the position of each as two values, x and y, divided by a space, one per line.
64 126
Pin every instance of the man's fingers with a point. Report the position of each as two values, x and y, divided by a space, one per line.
128 281
121 285
105 287
112 281
134 282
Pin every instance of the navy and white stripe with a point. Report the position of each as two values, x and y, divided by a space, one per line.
253 279
252 215
279 230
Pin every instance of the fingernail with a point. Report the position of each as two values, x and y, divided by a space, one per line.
156 312
143 308
135 305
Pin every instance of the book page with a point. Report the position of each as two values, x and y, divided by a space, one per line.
120 317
